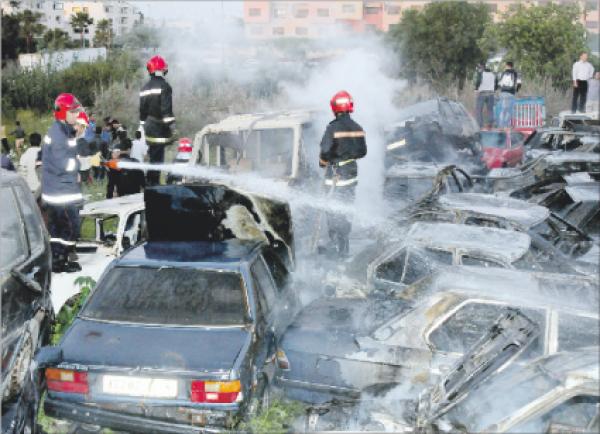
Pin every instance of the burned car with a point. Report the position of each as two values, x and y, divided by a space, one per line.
435 130
549 140
543 167
577 202
406 182
342 348
558 393
27 313
428 247
278 145
179 335
108 228
553 239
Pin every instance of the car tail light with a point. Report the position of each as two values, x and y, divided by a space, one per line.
282 360
66 380
220 392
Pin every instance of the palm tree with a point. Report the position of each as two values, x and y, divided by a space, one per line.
104 34
29 26
80 23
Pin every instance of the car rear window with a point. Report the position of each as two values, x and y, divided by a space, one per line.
169 296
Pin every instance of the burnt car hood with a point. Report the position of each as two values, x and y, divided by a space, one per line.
212 212
162 348
510 335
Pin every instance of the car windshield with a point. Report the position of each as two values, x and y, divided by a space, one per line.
169 296
493 139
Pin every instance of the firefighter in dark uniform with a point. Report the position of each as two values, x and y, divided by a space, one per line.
156 114
61 187
342 144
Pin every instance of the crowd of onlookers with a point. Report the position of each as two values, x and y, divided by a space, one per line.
99 144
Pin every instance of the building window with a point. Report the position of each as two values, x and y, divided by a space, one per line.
301 31
301 13
123 20
59 6
57 18
323 12
86 10
278 31
393 10
370 10
348 8
124 10
279 11
254 12
107 9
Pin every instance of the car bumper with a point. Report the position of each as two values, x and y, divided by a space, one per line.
120 421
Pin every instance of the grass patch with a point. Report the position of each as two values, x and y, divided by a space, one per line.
71 308
276 419
95 191
31 122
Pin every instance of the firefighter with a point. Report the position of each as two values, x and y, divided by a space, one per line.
342 144
156 114
61 189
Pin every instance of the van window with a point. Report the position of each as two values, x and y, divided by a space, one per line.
461 331
33 222
12 237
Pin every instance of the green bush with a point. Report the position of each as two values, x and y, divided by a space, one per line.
276 419
71 308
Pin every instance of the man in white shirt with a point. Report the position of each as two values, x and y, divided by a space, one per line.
593 95
28 163
582 72
485 85
139 148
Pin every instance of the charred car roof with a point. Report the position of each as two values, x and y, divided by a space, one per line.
520 211
183 253
509 245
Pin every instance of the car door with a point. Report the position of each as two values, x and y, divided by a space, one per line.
18 300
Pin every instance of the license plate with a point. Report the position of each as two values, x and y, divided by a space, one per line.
139 386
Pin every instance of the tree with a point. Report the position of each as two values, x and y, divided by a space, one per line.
11 42
104 34
29 27
440 43
543 41
57 39
80 23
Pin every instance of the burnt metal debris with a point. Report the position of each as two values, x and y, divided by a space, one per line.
473 306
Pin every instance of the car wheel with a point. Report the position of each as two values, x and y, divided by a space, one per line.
20 369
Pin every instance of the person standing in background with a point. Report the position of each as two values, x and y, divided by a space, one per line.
27 164
509 84
593 95
5 161
19 134
485 85
582 72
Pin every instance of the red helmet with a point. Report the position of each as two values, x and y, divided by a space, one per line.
342 102
65 102
185 145
82 119
157 63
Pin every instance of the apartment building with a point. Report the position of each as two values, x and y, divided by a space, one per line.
57 14
313 19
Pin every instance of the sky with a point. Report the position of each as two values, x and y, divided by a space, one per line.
189 10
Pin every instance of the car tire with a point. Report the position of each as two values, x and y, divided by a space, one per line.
20 369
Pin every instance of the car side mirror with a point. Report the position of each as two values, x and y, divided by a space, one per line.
31 284
48 356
